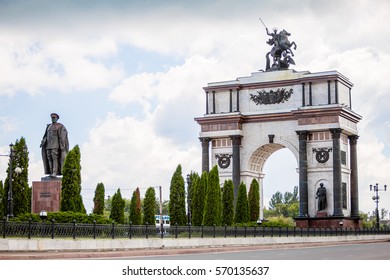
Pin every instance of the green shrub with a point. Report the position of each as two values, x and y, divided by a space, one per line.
64 217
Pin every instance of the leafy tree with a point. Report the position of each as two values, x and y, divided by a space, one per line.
118 208
254 201
98 200
276 198
242 207
286 205
21 193
135 208
165 207
177 204
2 196
213 207
198 201
228 203
71 199
149 206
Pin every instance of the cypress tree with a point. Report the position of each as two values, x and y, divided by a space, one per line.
254 201
21 194
135 208
199 189
213 208
71 199
118 208
98 199
242 208
2 206
177 204
150 206
228 203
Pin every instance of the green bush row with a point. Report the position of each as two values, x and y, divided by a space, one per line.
64 217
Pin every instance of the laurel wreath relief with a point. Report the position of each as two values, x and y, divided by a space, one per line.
271 97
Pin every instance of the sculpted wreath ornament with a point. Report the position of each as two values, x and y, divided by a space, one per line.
271 97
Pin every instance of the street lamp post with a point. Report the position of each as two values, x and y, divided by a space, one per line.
375 188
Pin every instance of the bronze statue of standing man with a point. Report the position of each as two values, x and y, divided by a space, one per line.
55 146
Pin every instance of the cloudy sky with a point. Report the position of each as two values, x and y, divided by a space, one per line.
126 78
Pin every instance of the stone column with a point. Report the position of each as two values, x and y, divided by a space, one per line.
354 176
205 153
236 139
303 191
337 181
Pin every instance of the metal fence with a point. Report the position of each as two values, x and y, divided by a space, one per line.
75 230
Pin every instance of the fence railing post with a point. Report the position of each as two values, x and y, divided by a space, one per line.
52 228
130 229
254 231
162 230
189 230
202 233
235 231
214 231
94 229
29 228
113 230
74 229
175 230
147 230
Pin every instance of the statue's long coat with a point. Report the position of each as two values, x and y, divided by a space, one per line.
64 148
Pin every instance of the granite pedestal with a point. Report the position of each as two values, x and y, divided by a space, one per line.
46 195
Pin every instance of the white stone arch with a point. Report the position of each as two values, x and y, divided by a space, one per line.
262 150
255 157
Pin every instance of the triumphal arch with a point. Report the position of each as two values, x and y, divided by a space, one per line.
249 118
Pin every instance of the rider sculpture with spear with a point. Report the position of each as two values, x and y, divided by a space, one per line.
281 50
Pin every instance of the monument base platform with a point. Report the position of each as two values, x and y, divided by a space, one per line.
46 195
328 222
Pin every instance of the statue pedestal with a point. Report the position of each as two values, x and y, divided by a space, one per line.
327 222
46 195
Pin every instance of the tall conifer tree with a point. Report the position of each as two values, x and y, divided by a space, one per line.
98 199
213 208
71 199
177 204
198 200
242 208
228 203
21 194
118 208
2 205
150 206
135 208
254 201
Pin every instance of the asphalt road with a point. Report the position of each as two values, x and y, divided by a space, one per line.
360 251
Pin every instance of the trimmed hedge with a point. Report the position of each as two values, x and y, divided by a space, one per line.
64 217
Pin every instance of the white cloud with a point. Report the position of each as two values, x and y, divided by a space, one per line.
124 152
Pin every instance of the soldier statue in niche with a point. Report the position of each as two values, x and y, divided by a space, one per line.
321 196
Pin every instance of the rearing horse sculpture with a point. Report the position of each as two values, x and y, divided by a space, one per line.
281 48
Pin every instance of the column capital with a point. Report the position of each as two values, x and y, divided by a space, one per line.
353 139
204 140
302 134
336 132
236 139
